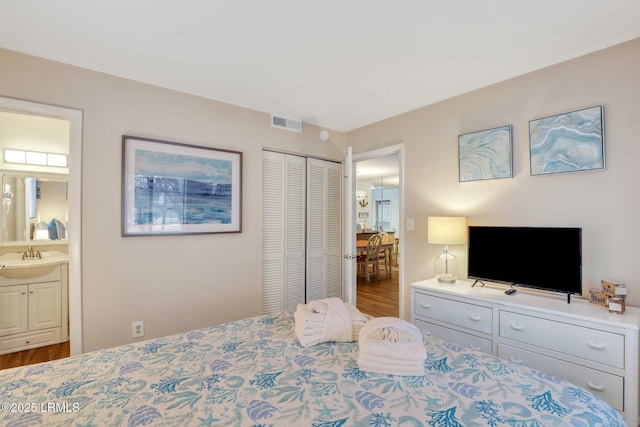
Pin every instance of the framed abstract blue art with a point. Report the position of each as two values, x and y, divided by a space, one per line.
170 188
568 142
485 154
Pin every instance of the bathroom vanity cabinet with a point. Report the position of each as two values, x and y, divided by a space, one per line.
34 311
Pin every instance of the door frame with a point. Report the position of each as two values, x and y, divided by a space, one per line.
74 117
350 220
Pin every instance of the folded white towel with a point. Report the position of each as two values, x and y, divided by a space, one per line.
416 370
325 320
391 346
372 358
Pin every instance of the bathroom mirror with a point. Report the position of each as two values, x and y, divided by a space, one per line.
34 207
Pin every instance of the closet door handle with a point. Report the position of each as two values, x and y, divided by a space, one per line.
594 386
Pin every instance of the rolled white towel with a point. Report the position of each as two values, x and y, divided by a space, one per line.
382 327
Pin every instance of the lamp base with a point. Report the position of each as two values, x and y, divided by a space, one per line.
449 279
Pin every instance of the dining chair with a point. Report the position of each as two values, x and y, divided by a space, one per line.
384 254
371 258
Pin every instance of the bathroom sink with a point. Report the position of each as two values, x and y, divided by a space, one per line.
14 267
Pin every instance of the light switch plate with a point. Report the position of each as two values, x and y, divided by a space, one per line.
409 224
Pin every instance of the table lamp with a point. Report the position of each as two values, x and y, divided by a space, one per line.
444 230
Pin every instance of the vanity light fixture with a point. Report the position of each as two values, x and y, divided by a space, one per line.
35 158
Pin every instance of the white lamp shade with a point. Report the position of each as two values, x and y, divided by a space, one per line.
447 230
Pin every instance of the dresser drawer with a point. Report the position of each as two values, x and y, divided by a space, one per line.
607 386
453 336
587 343
471 316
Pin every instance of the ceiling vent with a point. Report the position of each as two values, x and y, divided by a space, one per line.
286 123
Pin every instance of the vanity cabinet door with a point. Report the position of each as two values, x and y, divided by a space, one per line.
13 309
45 309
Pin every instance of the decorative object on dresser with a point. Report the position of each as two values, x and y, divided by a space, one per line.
612 295
445 230
577 342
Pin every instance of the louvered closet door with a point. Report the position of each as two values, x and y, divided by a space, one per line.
324 229
283 231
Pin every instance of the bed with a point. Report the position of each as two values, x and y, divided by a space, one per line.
254 372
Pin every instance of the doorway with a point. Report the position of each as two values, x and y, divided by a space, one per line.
377 207
74 238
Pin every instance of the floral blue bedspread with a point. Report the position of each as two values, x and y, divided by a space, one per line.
253 372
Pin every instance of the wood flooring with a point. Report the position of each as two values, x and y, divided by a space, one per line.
379 298
35 355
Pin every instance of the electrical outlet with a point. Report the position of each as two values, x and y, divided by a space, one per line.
137 329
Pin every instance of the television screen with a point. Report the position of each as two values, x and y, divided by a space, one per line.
538 257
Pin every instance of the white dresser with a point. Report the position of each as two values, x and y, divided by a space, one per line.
580 342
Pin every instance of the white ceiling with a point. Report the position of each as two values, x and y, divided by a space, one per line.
340 64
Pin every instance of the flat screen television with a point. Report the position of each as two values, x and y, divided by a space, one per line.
546 258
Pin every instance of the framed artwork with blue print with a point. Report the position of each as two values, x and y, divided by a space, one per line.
485 154
568 142
170 188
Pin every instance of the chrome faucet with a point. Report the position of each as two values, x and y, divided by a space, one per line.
31 253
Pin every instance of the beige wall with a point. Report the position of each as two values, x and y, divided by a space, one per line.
184 282
173 283
605 203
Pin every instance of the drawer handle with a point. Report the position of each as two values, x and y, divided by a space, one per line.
425 305
514 360
475 317
517 326
596 345
594 386
27 342
427 332
475 347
